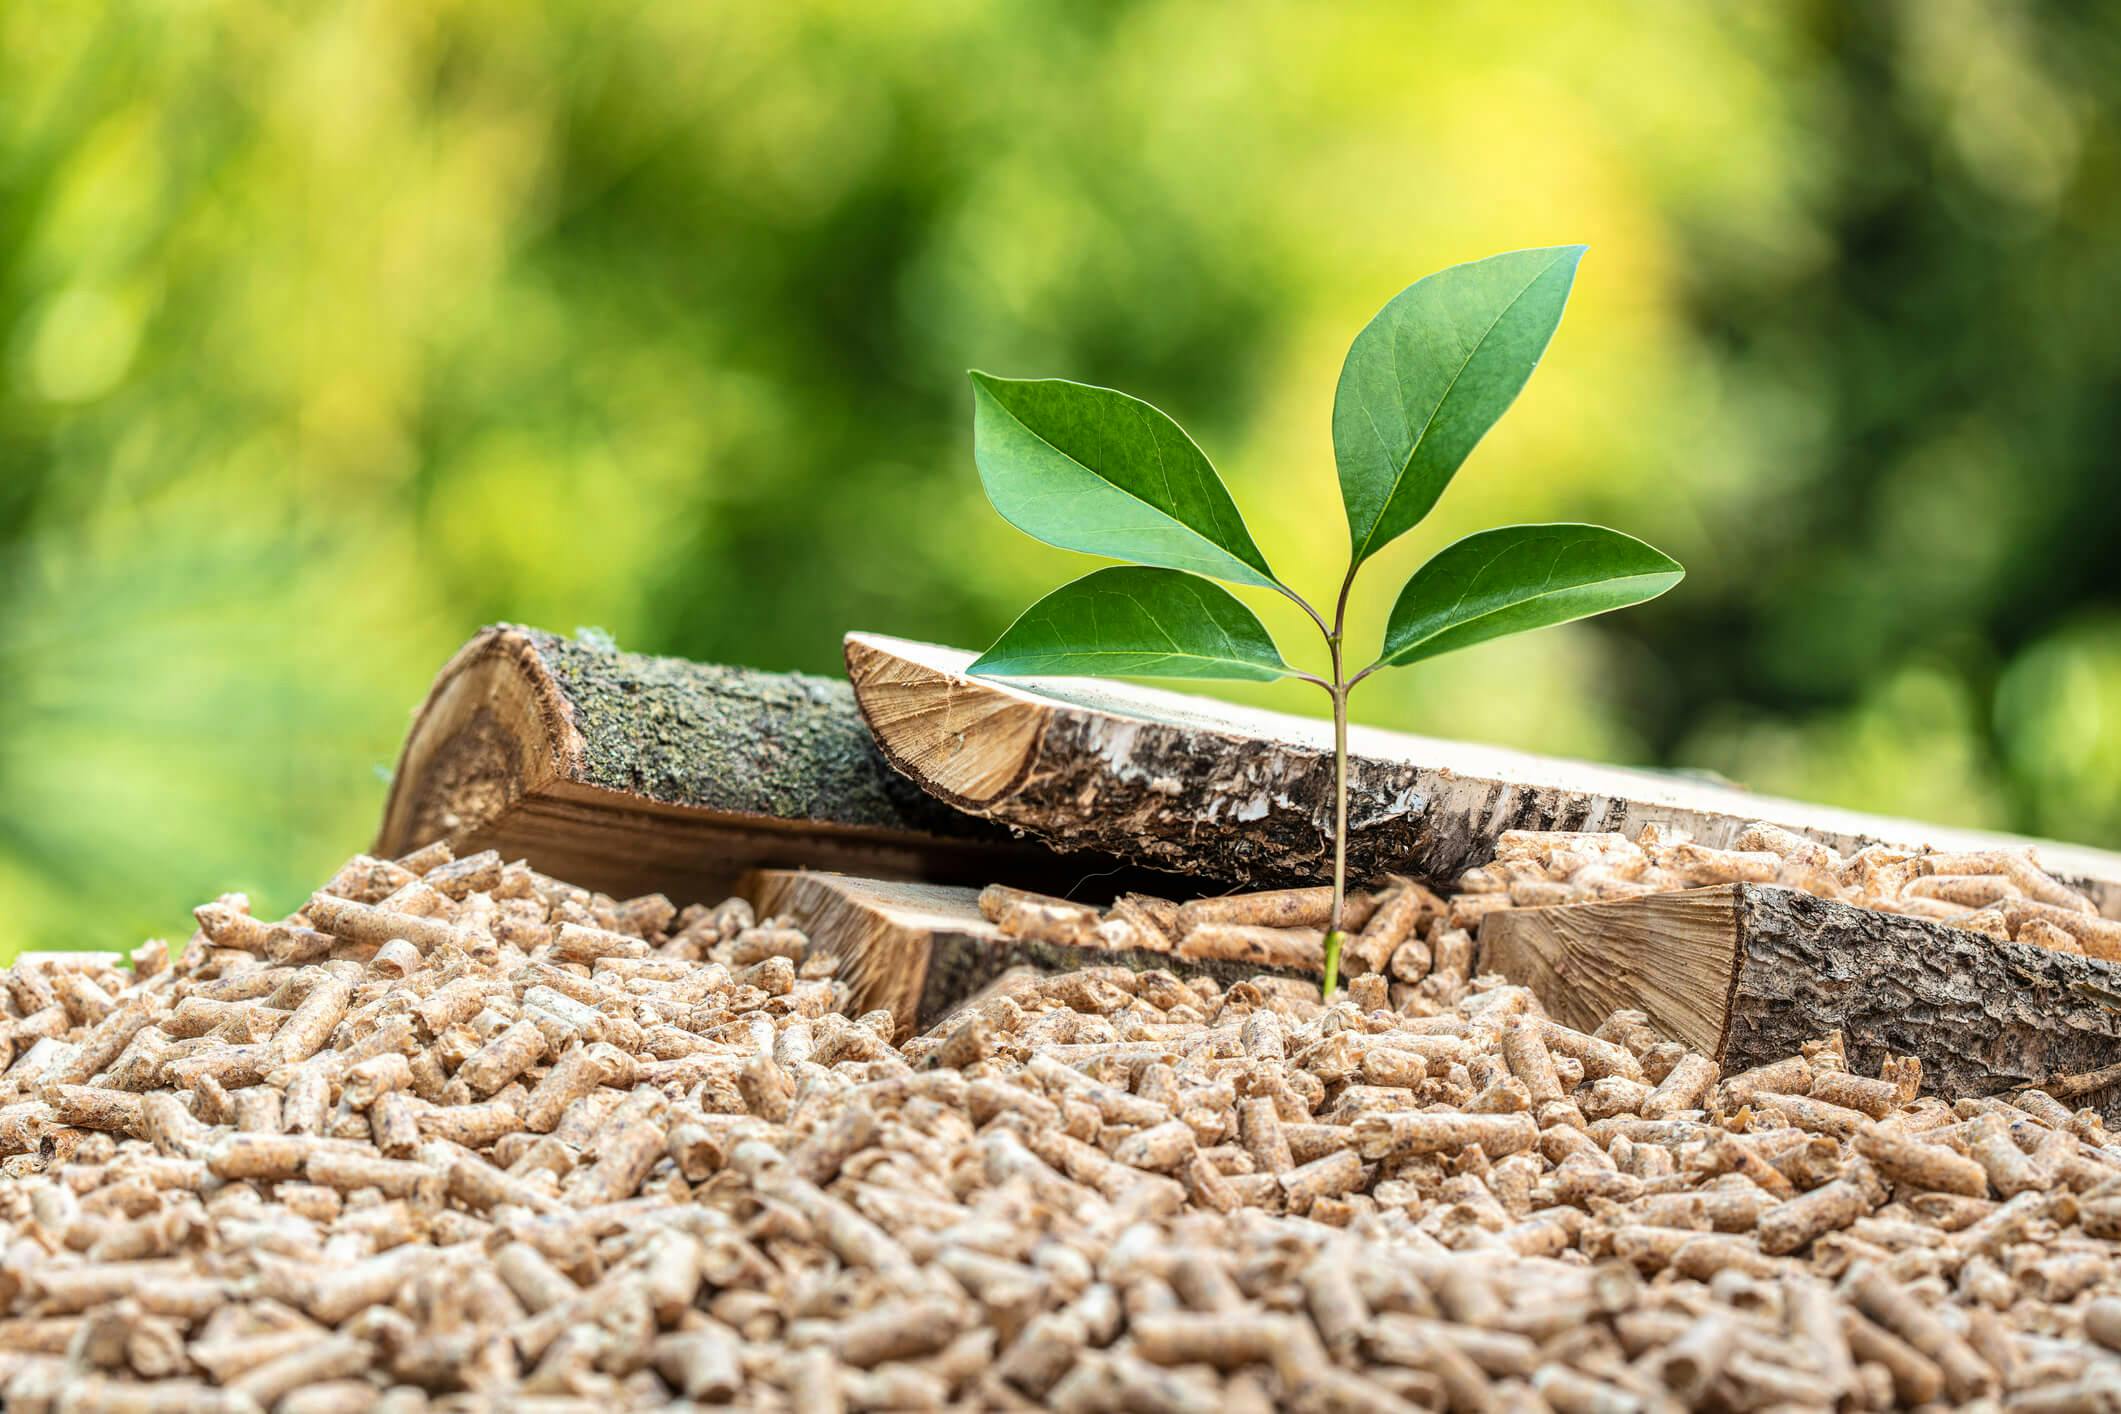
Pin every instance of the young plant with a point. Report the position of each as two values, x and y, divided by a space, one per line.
1094 470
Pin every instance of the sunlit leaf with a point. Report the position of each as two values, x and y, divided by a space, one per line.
1520 577
1427 378
1092 469
1129 621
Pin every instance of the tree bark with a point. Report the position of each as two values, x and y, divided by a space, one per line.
1245 797
923 949
1746 973
632 773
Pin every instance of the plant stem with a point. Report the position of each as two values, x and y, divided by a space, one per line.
1340 795
1304 604
1335 938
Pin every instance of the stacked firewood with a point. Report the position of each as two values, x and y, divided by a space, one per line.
459 1136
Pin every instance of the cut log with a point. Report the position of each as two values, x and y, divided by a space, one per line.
1245 796
632 774
922 949
1746 973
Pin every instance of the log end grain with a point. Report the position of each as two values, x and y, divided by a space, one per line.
1671 956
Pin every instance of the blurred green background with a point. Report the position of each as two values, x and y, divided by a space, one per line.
329 332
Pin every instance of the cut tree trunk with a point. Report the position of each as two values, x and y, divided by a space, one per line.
923 949
631 774
1746 973
1245 796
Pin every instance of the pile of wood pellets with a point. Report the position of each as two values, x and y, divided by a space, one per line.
1403 932
1406 932
458 1136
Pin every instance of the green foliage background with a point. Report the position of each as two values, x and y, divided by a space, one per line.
331 331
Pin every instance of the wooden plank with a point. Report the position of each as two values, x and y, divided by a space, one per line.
1745 973
632 773
922 949
1244 796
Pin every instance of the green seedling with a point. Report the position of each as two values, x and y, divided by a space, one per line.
1092 469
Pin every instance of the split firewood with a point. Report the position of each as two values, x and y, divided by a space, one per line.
1742 972
630 772
1745 972
1241 796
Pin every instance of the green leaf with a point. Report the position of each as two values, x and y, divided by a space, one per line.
1092 469
1520 577
1129 621
1427 378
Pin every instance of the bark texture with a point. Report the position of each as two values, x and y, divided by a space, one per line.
1984 1016
1245 797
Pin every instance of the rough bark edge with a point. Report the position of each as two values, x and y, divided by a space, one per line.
1263 814
1160 800
1984 1016
695 764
